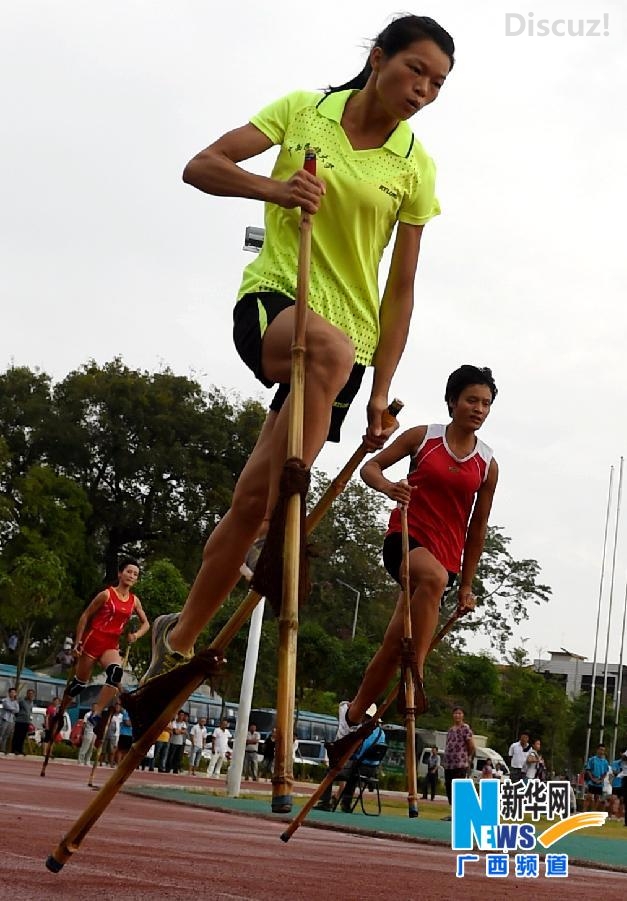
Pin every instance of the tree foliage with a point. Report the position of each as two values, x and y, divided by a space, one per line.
111 460
504 588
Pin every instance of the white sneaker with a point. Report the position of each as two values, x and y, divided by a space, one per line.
344 727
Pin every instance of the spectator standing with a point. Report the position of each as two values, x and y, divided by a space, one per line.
595 771
219 748
518 752
619 784
125 739
431 778
178 734
23 719
161 750
536 768
8 709
198 736
65 659
88 740
269 747
110 742
458 751
250 754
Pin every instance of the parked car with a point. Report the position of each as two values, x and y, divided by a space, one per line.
38 719
310 753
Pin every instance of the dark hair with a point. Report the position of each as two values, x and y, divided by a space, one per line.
398 35
127 561
468 375
457 707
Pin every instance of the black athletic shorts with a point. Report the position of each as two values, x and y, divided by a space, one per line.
393 556
251 316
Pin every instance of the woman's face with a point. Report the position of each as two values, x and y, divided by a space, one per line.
129 575
411 79
472 407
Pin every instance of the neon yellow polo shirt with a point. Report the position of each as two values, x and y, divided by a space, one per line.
367 193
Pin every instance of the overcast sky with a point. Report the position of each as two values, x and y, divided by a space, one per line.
104 251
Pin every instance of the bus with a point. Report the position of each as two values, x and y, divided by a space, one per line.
308 725
46 688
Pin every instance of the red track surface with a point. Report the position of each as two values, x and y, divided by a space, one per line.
143 849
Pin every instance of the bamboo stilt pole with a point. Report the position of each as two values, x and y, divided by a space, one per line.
77 832
282 779
408 677
359 735
57 721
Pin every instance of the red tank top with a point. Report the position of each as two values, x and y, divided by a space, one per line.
445 488
114 613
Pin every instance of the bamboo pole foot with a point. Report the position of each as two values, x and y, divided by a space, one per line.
282 804
53 864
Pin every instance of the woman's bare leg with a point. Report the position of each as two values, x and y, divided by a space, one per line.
429 578
328 364
107 692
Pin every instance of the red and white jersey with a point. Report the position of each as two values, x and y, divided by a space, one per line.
114 613
445 488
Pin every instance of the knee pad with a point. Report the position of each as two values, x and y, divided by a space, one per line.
114 673
75 687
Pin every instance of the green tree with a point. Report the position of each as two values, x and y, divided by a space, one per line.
347 549
46 515
161 589
155 454
25 407
505 588
30 592
474 679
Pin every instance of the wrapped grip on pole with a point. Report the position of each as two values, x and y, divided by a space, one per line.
310 162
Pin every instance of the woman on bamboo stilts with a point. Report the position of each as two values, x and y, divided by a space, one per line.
448 492
373 178
98 634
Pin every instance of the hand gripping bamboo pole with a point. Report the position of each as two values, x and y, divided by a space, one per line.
282 779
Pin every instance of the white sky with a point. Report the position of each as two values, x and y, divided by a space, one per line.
104 251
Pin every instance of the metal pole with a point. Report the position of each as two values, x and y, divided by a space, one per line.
619 683
596 639
234 776
358 595
609 614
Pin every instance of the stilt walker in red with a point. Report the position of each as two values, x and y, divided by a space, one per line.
98 635
448 493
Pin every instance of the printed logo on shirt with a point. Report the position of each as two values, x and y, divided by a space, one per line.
389 191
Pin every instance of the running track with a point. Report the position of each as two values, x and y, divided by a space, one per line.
145 849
